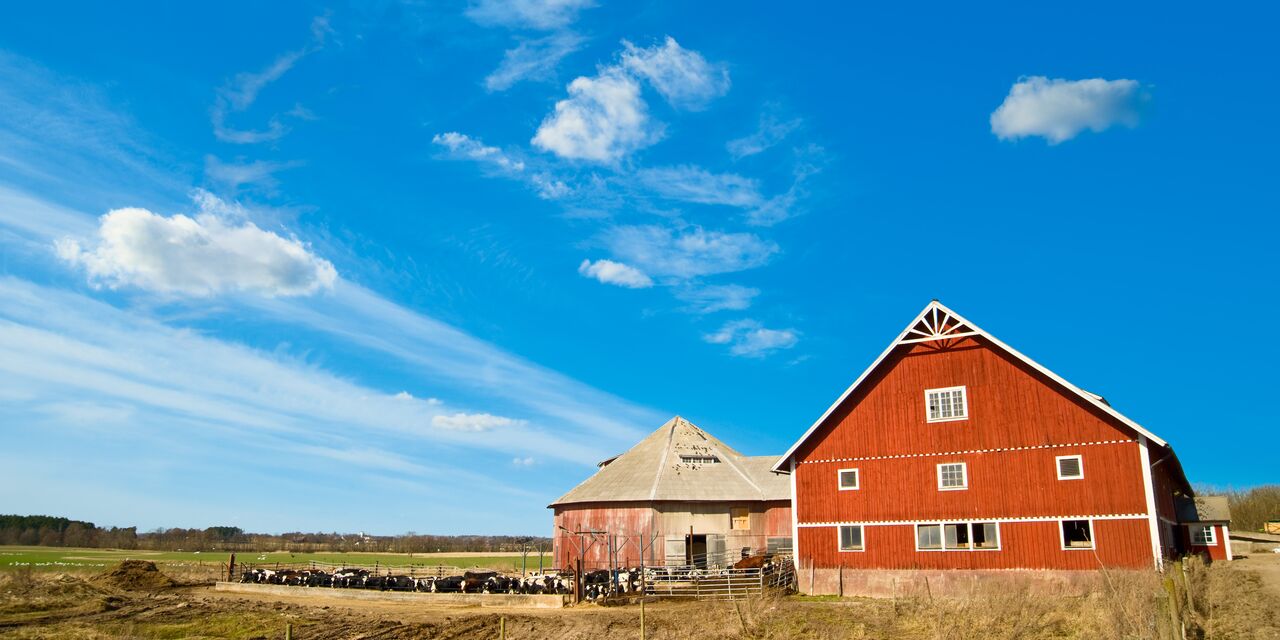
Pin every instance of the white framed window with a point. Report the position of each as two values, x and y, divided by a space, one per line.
958 536
851 537
848 479
928 537
945 405
1070 467
1076 534
953 476
699 459
1203 535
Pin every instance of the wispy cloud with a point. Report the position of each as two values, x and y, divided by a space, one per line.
534 59
615 273
464 146
689 183
687 253
1058 110
682 76
750 339
239 93
473 422
233 175
768 134
200 256
713 298
541 15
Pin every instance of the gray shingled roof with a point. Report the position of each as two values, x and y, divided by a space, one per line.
665 466
1204 509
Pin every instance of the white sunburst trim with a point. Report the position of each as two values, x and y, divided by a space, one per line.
891 523
935 330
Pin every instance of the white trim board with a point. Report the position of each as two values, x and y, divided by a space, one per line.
935 307
898 523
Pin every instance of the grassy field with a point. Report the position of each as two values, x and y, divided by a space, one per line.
70 559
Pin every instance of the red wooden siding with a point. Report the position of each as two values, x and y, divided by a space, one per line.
1214 551
1001 484
1018 422
1023 545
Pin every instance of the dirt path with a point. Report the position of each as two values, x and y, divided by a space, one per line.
1266 565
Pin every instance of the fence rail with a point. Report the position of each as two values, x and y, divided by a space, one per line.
701 583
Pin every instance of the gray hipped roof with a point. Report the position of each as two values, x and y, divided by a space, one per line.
1203 509
673 463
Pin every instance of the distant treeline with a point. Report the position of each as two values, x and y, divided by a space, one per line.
62 532
1252 508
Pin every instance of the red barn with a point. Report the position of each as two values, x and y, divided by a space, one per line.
953 455
680 496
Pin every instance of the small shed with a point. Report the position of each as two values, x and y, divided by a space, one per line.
679 496
1205 523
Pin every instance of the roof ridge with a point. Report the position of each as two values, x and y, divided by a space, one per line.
666 451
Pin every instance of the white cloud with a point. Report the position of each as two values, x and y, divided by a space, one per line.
529 14
473 422
770 132
464 146
688 253
199 256
712 298
750 339
693 184
603 119
527 461
532 60
616 273
682 76
1058 109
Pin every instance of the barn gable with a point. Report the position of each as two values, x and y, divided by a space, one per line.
938 327
681 462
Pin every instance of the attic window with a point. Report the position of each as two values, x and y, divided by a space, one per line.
945 405
699 459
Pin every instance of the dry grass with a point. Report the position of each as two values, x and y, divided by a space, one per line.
1212 602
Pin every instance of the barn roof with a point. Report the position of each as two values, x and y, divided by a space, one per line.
1204 509
681 462
938 323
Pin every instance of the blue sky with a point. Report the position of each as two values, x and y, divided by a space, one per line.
416 267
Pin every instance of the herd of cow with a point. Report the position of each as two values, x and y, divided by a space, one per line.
596 585
469 582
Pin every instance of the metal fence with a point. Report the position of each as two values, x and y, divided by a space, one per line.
701 583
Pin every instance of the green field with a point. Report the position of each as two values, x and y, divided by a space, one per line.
67 559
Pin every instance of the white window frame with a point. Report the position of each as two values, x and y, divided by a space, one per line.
840 538
1057 462
964 404
942 535
857 479
964 468
1093 535
1211 539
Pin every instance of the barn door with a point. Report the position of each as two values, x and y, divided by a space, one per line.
674 552
715 549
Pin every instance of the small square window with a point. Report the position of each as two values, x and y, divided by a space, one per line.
1070 467
944 405
739 518
848 479
952 476
928 537
1203 535
851 538
986 535
956 535
1077 534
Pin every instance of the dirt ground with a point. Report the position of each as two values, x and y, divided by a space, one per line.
135 601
